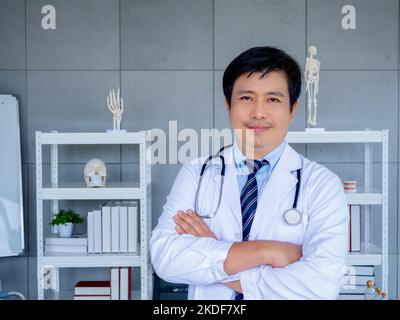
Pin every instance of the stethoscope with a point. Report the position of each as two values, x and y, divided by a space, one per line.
291 216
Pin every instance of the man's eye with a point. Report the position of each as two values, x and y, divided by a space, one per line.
275 100
245 98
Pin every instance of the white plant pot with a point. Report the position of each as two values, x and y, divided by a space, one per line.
65 230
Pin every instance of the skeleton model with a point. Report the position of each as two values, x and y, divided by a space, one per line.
95 173
115 104
312 84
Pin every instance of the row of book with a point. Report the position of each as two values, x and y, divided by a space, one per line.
118 288
354 282
113 228
355 228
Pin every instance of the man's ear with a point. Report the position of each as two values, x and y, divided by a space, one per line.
228 108
295 105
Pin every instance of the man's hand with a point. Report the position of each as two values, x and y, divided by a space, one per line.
234 285
250 254
283 253
190 223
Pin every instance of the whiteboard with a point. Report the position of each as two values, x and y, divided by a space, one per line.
11 206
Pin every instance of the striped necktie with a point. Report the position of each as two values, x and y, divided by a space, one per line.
248 201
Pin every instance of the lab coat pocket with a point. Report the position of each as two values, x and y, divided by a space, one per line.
291 233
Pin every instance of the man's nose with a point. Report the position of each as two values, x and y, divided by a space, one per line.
259 110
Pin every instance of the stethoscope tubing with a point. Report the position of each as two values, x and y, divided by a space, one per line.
222 173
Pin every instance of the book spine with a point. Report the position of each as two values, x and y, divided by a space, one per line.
61 249
92 297
123 235
90 231
355 228
115 283
115 229
133 228
129 283
106 228
97 231
66 241
360 270
124 283
353 280
349 239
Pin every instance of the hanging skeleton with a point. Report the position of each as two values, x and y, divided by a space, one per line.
312 84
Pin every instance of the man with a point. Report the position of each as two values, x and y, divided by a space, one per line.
251 248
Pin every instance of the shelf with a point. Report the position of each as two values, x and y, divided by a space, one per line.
64 260
135 137
334 137
91 138
90 193
137 189
370 255
364 198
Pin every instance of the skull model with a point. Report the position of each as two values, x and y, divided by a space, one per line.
95 173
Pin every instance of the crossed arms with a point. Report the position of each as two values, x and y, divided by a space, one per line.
242 255
185 250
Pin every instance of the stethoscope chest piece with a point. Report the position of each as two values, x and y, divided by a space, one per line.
292 217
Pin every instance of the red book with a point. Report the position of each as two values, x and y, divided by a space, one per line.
93 288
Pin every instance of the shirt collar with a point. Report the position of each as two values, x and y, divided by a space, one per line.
272 157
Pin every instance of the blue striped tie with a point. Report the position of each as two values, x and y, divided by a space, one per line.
248 200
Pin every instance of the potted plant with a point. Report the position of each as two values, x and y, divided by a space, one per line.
65 221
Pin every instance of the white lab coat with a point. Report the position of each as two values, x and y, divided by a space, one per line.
323 233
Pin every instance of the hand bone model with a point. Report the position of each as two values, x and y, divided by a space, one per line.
312 84
115 104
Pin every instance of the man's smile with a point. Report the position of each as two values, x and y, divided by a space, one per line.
259 128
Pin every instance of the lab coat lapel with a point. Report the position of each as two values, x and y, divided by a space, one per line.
279 184
230 192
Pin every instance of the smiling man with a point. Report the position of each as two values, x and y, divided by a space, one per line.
280 229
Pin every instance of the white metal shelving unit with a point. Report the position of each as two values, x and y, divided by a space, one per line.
142 192
370 254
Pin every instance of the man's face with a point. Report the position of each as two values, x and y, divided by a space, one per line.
260 107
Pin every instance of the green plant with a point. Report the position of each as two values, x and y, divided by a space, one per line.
63 217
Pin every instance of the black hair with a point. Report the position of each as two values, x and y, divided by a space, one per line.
264 60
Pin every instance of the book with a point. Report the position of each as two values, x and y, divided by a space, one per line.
90 231
353 290
360 270
93 288
92 297
115 283
97 231
70 248
115 229
351 297
349 280
355 228
133 227
73 241
123 228
125 283
106 228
